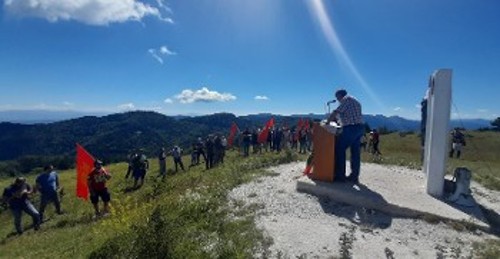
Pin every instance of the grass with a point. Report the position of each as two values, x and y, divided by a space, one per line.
187 216
184 217
481 155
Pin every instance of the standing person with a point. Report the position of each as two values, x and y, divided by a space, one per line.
177 155
375 142
457 142
255 141
47 183
217 149
364 141
140 166
200 152
278 136
247 138
349 111
302 141
224 147
162 160
17 196
194 155
96 182
210 147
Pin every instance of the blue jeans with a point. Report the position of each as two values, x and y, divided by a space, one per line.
30 210
349 138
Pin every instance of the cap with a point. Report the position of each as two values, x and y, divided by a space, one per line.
97 162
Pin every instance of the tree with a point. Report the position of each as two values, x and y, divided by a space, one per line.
496 123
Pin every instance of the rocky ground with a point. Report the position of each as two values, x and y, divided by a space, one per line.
306 226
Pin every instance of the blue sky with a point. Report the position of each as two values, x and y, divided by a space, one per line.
247 56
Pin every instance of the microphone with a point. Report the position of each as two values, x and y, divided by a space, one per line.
330 102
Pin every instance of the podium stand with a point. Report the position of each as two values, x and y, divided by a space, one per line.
324 154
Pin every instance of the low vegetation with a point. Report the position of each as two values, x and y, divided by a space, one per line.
481 155
186 216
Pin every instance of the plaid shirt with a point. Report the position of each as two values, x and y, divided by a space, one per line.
349 111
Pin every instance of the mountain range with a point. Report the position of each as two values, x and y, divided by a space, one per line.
114 136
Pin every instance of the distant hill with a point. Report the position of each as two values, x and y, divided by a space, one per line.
42 116
114 136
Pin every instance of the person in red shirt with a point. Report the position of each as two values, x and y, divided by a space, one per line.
97 187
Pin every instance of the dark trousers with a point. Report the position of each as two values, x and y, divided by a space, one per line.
349 138
178 161
209 163
46 199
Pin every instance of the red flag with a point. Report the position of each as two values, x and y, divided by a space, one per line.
265 132
306 124
84 164
300 124
232 132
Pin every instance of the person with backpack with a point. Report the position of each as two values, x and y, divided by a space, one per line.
96 182
17 196
47 184
139 168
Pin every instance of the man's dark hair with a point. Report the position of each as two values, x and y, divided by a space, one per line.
341 93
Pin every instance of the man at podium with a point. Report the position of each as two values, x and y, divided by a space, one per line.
351 120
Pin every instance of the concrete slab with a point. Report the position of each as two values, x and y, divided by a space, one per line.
393 190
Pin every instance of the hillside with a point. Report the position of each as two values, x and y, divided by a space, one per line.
112 137
185 216
191 215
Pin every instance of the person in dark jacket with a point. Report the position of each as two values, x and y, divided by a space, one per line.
17 196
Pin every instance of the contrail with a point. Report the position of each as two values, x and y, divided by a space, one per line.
319 12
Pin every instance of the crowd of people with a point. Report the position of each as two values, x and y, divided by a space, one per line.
278 138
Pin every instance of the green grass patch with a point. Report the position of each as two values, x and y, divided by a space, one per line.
185 216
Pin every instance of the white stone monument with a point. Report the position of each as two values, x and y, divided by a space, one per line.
437 131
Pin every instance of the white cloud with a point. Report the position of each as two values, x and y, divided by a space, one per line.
261 98
168 100
91 12
126 106
66 103
163 6
160 53
482 110
418 106
165 51
396 109
203 95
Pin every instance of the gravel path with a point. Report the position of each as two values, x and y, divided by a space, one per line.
306 226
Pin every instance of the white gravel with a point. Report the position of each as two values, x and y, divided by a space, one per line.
305 226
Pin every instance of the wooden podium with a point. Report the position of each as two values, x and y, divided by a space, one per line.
324 154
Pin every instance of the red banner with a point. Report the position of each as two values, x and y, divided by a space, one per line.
265 132
84 165
232 132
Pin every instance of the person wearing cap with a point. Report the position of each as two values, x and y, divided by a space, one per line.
17 196
47 183
351 119
96 182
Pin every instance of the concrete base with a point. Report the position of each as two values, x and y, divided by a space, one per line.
395 191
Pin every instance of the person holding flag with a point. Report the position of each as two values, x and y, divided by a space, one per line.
96 182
